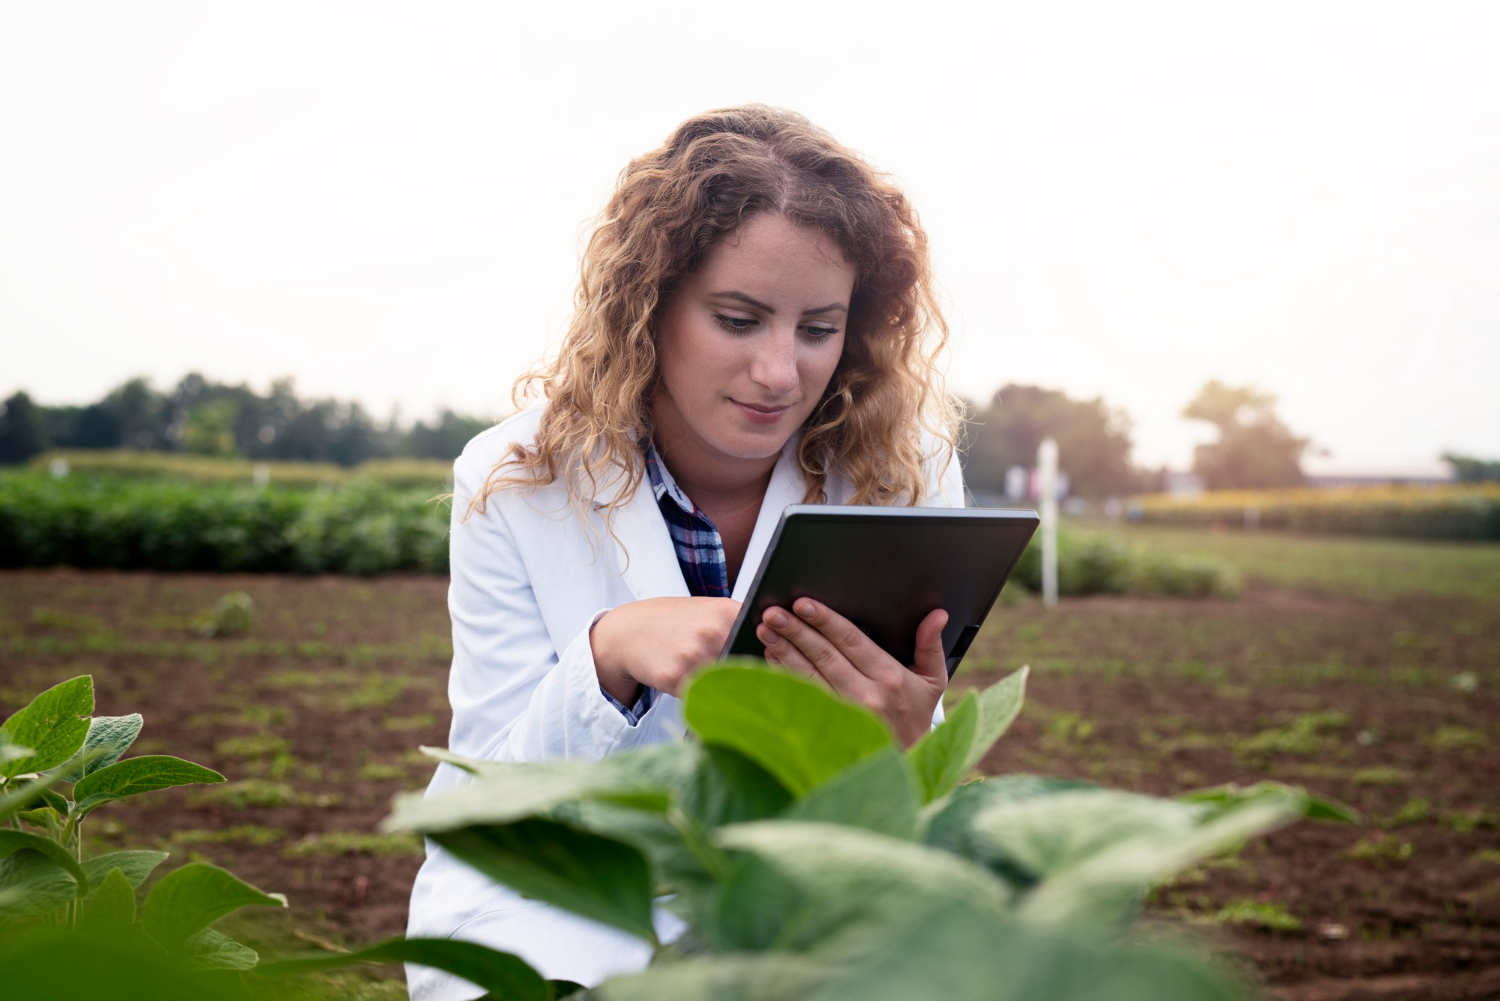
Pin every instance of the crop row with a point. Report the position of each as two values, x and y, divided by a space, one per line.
1469 511
128 463
357 528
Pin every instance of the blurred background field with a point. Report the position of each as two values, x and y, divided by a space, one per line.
1362 668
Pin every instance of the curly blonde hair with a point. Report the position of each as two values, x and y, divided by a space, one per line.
669 208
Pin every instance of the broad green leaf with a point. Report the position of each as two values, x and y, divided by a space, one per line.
31 883
134 865
108 738
938 758
133 776
13 752
499 973
837 879
672 862
588 874
194 897
564 988
1314 807
45 817
54 726
754 909
874 793
112 908
1045 835
794 729
951 821
1092 888
766 977
55 801
999 705
17 841
57 964
213 950
729 788
961 954
17 799
506 791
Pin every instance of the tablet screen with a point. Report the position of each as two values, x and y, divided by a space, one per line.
885 569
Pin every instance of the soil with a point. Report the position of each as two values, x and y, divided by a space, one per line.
1388 706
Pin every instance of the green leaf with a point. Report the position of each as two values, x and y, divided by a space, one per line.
31 883
999 705
1094 887
44 817
112 908
1314 807
134 865
588 874
213 950
133 776
672 862
938 758
874 793
499 973
13 752
16 841
768 977
194 897
54 726
837 879
502 792
26 794
950 826
794 729
108 738
729 788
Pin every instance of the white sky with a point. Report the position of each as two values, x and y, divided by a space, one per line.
386 200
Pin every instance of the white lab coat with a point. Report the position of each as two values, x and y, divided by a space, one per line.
527 583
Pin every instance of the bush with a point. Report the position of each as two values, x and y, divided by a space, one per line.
359 528
1100 564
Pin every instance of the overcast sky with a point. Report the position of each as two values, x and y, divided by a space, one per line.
385 200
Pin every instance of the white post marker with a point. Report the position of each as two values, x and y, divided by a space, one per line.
1046 460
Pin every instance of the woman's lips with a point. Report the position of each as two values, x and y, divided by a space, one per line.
761 415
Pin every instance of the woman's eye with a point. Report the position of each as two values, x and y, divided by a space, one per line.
819 333
735 324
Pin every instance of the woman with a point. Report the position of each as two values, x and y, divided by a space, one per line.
754 327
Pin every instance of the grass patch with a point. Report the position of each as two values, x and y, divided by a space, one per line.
249 792
67 622
1487 856
1302 736
1469 821
379 771
240 834
1457 738
420 721
1381 775
1413 811
1381 850
1256 914
356 843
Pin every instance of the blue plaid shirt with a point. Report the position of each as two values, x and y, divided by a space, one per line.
700 554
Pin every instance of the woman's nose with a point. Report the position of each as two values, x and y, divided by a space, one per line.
775 363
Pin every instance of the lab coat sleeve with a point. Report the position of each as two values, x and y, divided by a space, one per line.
515 695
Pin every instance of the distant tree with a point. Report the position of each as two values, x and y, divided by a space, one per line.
1468 469
1093 440
209 429
22 433
1254 448
445 438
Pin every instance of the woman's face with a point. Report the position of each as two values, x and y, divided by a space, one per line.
746 345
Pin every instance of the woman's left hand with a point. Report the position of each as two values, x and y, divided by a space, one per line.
822 644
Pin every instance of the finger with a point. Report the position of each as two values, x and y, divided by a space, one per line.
932 662
780 651
861 652
815 648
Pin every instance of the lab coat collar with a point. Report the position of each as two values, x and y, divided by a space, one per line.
643 544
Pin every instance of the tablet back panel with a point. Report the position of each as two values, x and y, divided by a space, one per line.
886 568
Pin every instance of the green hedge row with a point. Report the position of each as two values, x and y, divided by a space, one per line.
357 528
1099 564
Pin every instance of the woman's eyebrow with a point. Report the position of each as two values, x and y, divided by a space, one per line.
836 307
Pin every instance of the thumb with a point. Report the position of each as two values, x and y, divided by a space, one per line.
931 663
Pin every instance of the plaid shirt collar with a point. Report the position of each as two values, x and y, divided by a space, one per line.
699 547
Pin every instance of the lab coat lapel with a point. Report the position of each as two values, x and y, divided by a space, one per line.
643 544
786 487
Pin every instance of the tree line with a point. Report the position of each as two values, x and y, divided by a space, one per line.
202 417
1252 449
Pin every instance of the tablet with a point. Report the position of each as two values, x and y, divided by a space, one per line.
885 568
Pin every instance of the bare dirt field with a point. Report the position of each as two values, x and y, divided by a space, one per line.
1387 700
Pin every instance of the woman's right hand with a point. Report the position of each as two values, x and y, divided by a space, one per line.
658 642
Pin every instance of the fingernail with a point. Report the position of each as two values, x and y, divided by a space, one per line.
777 618
804 609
